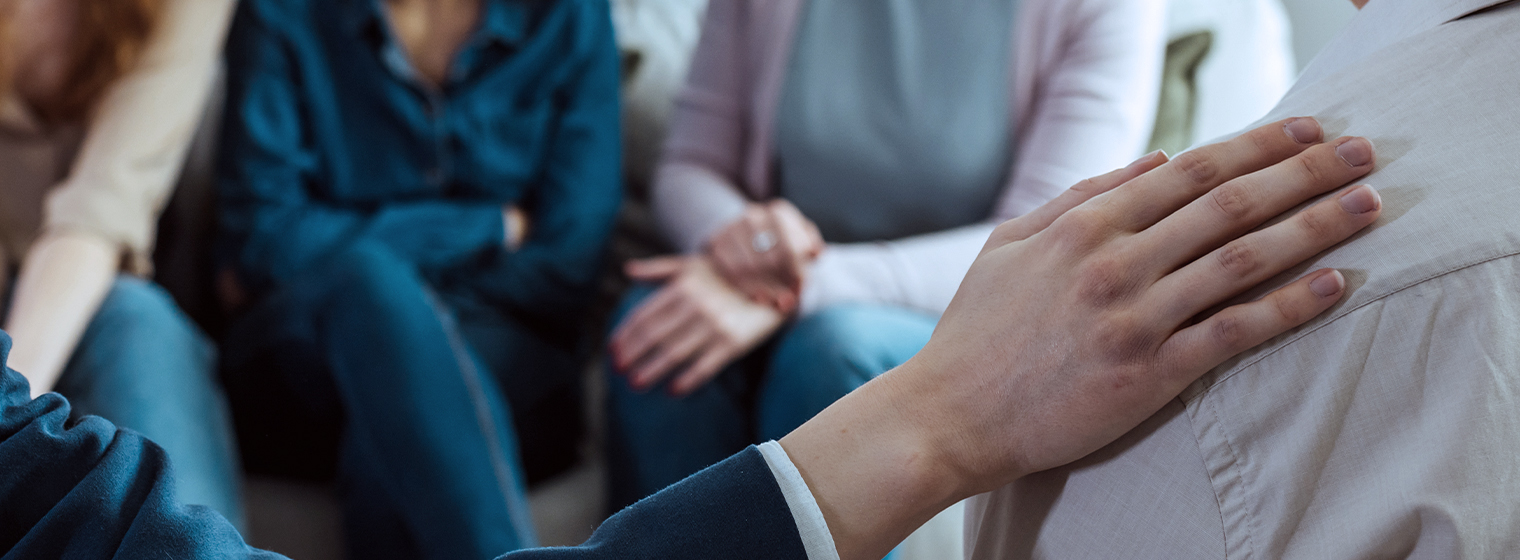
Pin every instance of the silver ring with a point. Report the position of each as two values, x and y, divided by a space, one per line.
763 241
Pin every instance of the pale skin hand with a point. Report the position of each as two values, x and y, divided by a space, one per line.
1080 320
63 280
774 277
688 330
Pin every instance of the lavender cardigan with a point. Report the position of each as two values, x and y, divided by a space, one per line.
1085 80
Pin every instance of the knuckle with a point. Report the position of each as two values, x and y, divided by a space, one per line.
1081 228
1239 259
1310 170
1317 225
1105 281
1286 310
1197 168
1088 186
1123 339
1232 200
1228 332
1266 139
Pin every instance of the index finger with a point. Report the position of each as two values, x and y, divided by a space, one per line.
1156 195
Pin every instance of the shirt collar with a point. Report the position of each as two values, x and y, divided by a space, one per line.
505 21
1385 22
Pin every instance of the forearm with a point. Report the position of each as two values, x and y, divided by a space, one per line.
62 282
692 203
920 272
872 463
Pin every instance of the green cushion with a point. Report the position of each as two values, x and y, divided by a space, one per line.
1179 91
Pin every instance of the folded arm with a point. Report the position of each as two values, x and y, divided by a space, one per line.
574 205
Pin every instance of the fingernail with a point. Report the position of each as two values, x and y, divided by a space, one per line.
1304 130
1147 158
1328 284
1356 152
1361 200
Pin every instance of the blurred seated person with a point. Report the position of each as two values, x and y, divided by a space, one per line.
416 196
833 168
99 100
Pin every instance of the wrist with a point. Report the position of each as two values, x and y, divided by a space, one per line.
873 468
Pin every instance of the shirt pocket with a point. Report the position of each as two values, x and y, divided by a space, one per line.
508 145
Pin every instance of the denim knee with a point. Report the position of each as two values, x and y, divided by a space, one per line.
140 344
844 340
827 354
144 365
137 307
371 273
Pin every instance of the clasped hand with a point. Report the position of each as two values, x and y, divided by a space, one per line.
715 307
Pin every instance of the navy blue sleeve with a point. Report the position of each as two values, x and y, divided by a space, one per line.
92 490
732 510
268 161
574 206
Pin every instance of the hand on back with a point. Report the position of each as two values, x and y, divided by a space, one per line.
1081 319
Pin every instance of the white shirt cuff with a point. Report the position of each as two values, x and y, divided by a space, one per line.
816 538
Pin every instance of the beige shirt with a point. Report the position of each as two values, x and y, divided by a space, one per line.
112 178
1389 427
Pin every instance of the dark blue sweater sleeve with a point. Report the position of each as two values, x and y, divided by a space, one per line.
574 206
92 490
268 164
732 510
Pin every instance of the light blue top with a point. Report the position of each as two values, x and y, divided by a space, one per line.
894 117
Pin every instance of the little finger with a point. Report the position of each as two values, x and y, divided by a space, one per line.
1199 348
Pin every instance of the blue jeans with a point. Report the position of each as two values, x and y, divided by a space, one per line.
655 440
429 464
143 365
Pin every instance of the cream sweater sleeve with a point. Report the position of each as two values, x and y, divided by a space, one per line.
140 133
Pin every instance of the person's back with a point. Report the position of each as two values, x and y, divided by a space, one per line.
1386 428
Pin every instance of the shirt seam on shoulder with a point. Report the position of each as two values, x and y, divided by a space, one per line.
1224 533
1240 478
1347 311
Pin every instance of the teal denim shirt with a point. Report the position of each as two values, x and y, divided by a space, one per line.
331 138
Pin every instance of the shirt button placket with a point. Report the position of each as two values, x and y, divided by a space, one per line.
438 115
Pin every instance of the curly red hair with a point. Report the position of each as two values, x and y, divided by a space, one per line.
110 37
